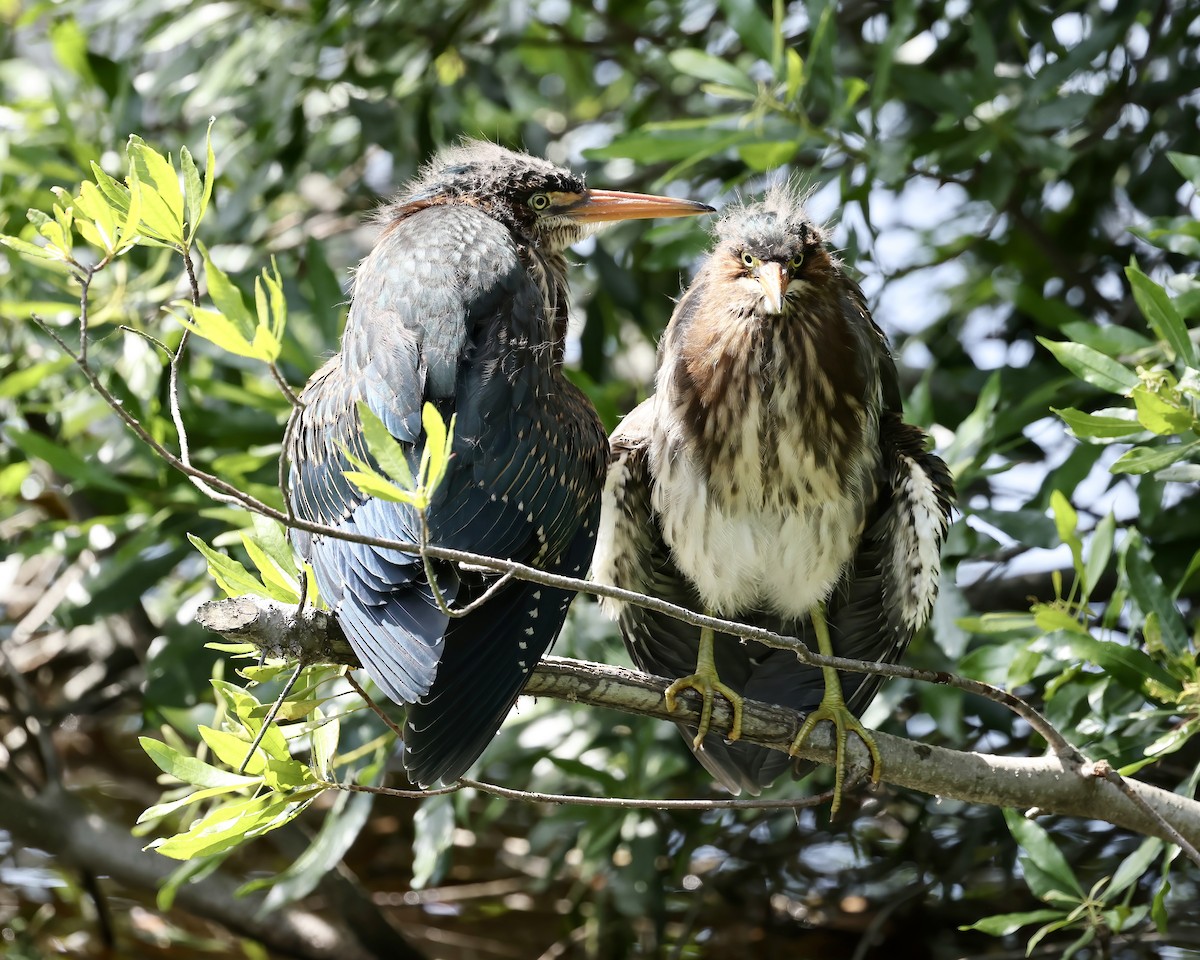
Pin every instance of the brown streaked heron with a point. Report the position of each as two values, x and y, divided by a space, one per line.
462 303
771 480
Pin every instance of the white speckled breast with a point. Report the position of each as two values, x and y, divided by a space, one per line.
770 524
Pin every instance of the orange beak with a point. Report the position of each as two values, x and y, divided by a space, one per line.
774 282
602 206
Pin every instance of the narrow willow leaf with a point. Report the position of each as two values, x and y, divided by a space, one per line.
1161 314
190 769
385 448
1092 367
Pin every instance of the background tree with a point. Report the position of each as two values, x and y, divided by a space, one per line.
990 169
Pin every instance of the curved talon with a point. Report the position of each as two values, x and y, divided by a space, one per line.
833 708
706 683
844 723
708 686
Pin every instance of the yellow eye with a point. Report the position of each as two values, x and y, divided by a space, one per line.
795 262
539 201
749 259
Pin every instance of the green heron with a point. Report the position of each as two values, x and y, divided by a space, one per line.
771 480
462 303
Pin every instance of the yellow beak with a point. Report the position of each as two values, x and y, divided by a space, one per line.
773 281
602 206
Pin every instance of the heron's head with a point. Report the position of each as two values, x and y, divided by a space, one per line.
773 250
543 204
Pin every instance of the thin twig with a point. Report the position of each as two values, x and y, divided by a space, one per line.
570 799
284 387
375 708
454 613
1104 770
271 715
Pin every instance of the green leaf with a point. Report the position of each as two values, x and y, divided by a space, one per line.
1065 521
1161 314
756 31
20 382
161 196
271 308
439 444
767 155
340 827
232 750
1151 596
1114 423
1099 552
217 328
705 66
279 585
210 174
1112 341
30 249
1127 665
230 575
1092 367
1150 459
1046 870
272 538
373 485
160 810
795 74
433 826
1164 415
285 776
1050 617
385 448
227 298
1002 924
233 823
65 461
1134 866
190 769
324 738
1188 165
1158 909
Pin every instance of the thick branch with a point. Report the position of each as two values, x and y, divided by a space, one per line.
1047 783
56 822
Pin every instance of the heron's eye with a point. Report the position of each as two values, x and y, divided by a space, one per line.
749 259
539 201
794 263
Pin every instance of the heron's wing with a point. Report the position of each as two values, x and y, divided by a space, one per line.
444 312
537 501
486 662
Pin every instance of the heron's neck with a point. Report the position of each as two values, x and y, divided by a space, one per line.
549 270
775 405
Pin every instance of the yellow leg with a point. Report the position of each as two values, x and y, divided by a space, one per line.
833 709
706 683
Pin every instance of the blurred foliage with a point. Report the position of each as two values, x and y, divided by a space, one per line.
1016 186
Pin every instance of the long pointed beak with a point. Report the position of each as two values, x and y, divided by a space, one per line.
773 281
602 206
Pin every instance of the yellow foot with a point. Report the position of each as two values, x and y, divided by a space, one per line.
708 685
833 709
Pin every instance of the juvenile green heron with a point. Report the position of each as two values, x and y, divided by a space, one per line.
771 480
462 303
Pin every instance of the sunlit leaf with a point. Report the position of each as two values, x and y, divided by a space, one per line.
190 769
1093 367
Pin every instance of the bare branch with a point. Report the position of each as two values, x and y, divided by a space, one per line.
55 821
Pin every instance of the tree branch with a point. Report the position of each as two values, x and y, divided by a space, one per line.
1049 783
57 822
